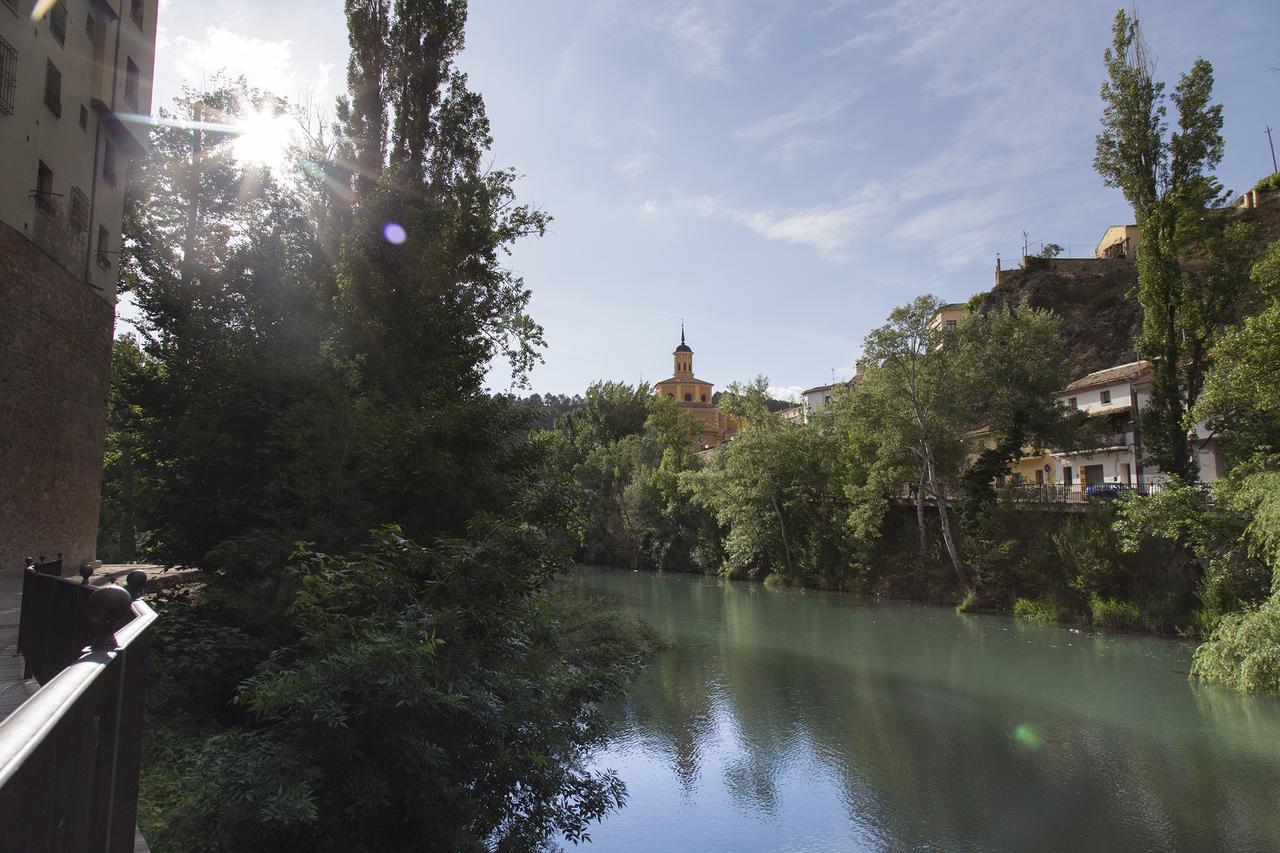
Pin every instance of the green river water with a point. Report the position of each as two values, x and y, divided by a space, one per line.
806 721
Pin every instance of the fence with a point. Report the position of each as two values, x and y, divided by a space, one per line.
69 757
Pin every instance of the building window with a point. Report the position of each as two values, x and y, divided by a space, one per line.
131 84
84 118
58 21
53 87
109 162
1071 401
103 256
8 76
951 325
91 27
44 189
135 11
688 398
704 398
1106 397
78 211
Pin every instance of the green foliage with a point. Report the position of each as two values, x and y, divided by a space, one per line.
1270 183
1167 179
1050 250
777 493
433 698
1243 651
1210 547
1117 615
1036 611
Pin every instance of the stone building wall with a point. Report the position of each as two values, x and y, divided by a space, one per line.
55 364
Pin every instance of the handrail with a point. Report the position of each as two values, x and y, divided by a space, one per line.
22 732
71 754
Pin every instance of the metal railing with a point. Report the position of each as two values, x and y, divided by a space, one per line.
70 755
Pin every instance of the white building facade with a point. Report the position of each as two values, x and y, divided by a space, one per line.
75 92
1111 397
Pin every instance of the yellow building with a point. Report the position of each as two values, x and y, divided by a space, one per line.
693 395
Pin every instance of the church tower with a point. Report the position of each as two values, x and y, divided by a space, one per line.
683 359
691 394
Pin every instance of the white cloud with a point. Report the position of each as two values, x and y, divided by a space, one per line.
648 207
785 392
264 63
809 112
700 31
830 229
632 167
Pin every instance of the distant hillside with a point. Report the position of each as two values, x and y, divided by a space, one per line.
1098 297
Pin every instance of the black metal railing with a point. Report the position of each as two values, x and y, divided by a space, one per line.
70 756
1051 493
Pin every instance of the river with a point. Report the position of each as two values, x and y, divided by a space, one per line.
806 721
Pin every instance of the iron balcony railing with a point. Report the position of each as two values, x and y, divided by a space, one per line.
70 755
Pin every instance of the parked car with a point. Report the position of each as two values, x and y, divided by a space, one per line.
1107 491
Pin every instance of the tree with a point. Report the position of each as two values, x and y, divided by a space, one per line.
917 381
1166 178
1011 366
776 492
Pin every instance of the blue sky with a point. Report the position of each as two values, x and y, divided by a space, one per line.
778 174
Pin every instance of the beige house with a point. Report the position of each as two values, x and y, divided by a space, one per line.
949 317
1118 241
75 91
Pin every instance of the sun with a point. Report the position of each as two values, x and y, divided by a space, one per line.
264 137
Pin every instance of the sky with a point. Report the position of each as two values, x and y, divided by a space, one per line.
777 175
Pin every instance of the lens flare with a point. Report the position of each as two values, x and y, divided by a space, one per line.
1023 734
394 232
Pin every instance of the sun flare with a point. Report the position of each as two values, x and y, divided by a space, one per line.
263 138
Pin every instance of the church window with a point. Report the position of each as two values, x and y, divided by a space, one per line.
688 398
671 396
704 398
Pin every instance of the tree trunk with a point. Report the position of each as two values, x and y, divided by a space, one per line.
945 521
786 548
920 523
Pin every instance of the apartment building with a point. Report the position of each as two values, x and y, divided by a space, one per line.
75 90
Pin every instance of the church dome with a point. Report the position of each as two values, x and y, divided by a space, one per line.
683 346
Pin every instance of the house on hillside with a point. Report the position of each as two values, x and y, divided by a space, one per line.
1114 398
1118 241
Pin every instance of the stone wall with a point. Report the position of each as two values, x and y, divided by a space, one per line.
55 363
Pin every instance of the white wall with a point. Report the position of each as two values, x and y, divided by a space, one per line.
93 78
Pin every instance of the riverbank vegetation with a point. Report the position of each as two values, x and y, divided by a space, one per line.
840 502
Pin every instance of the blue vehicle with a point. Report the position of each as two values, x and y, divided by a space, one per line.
1107 491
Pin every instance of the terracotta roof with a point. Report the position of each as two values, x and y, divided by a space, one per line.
1108 376
690 381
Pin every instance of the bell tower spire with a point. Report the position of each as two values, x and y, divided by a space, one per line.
683 357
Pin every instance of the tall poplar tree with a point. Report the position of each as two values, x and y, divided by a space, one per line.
1167 178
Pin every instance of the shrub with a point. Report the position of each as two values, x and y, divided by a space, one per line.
1243 651
1036 611
1110 613
775 580
967 603
1269 183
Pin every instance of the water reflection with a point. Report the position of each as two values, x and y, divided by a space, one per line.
807 721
